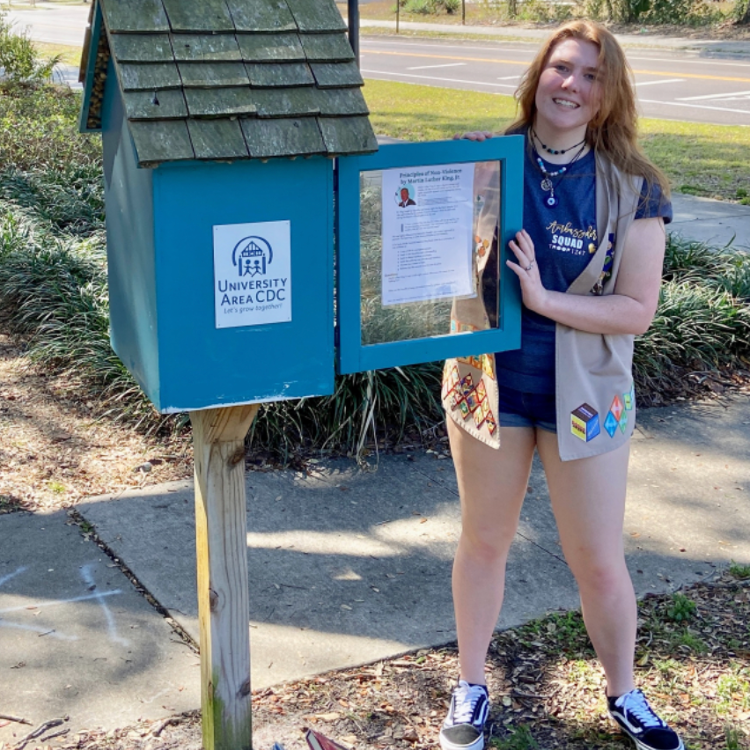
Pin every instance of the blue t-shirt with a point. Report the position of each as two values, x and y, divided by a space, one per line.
565 237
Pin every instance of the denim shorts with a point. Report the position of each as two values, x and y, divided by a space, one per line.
519 409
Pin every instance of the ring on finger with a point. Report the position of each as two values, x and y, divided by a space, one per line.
530 266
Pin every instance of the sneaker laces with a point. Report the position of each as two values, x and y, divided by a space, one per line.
467 696
635 703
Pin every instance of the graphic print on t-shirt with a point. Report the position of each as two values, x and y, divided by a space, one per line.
567 238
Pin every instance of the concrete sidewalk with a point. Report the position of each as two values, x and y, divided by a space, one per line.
346 567
713 222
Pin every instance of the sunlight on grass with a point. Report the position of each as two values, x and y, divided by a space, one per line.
69 55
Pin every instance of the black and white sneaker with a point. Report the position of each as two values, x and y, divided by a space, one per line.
463 728
638 720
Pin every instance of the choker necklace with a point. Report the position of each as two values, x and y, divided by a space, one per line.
546 184
555 151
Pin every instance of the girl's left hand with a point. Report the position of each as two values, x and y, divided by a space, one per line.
534 293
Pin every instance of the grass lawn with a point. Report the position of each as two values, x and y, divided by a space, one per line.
69 55
706 160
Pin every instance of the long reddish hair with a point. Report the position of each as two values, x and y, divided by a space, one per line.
613 132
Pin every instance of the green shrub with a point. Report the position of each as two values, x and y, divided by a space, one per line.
38 130
674 12
739 571
681 608
703 318
19 58
430 7
687 12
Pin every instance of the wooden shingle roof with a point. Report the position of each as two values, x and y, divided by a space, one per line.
228 79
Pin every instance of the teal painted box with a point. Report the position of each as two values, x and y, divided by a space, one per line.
219 126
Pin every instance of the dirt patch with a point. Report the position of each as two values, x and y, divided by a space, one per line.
56 448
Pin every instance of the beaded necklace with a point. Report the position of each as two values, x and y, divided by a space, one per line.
546 184
556 152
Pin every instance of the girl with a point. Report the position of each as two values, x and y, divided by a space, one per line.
589 263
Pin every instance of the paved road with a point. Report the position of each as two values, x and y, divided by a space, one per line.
670 84
60 25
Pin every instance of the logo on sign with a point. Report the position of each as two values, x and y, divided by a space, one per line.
252 256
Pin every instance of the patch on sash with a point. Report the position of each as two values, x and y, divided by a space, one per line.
485 408
610 424
472 400
464 408
467 384
584 422
624 421
450 380
490 423
475 362
481 391
483 362
488 365
479 415
629 398
617 408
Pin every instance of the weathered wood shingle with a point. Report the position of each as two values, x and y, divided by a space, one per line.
229 79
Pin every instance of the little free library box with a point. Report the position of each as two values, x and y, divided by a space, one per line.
219 121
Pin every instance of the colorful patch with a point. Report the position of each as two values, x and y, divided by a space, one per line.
472 400
610 424
584 422
478 417
488 365
481 391
467 384
629 398
624 421
475 362
464 408
485 407
490 423
450 380
606 273
455 399
617 407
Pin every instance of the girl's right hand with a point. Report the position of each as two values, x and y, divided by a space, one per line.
476 135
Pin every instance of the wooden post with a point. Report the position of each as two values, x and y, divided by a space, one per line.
223 602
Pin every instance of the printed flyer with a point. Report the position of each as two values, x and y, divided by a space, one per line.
427 233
